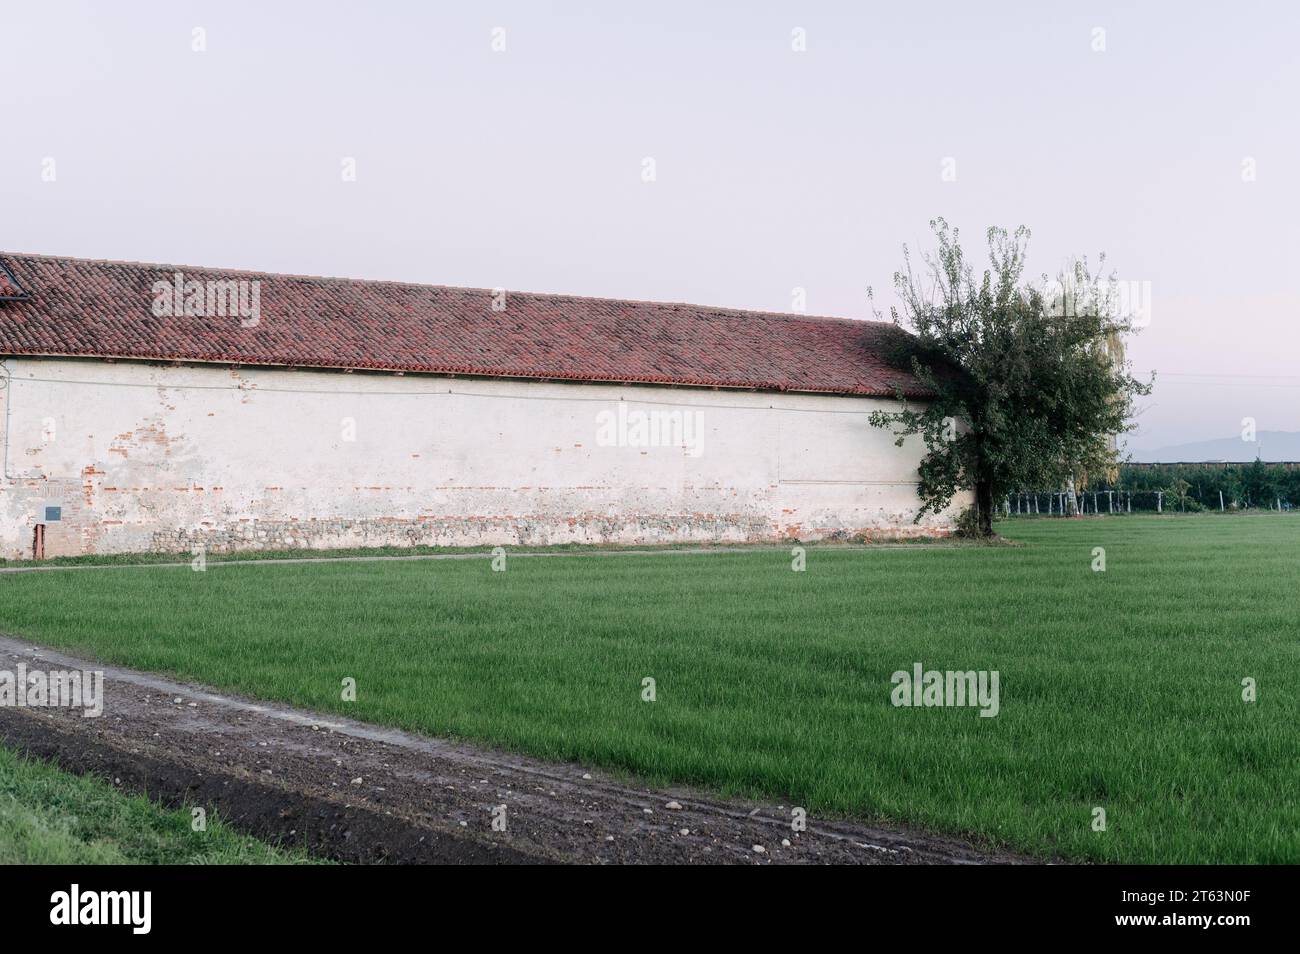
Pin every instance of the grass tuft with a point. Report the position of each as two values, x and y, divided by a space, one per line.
51 817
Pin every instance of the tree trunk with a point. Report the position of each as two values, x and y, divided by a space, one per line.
984 507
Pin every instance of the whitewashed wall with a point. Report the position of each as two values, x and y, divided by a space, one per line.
145 457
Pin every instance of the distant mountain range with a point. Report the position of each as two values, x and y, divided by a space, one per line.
1268 446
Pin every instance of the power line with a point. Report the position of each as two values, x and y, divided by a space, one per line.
1216 374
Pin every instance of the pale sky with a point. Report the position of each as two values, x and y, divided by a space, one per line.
1169 141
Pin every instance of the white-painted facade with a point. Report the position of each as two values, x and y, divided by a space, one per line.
140 456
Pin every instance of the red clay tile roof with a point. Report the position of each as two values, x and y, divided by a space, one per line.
8 288
79 307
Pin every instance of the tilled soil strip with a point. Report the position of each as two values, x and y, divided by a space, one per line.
355 792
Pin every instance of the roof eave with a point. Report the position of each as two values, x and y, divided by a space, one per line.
455 371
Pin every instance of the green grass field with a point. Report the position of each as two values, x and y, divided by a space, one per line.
1119 689
50 817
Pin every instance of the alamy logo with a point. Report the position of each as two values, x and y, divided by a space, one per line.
103 907
627 428
933 687
1112 298
25 688
225 298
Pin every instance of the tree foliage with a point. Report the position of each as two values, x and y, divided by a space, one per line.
1253 485
1029 382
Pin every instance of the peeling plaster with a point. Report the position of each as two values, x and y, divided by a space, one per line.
189 459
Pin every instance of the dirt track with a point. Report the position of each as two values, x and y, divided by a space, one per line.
362 793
